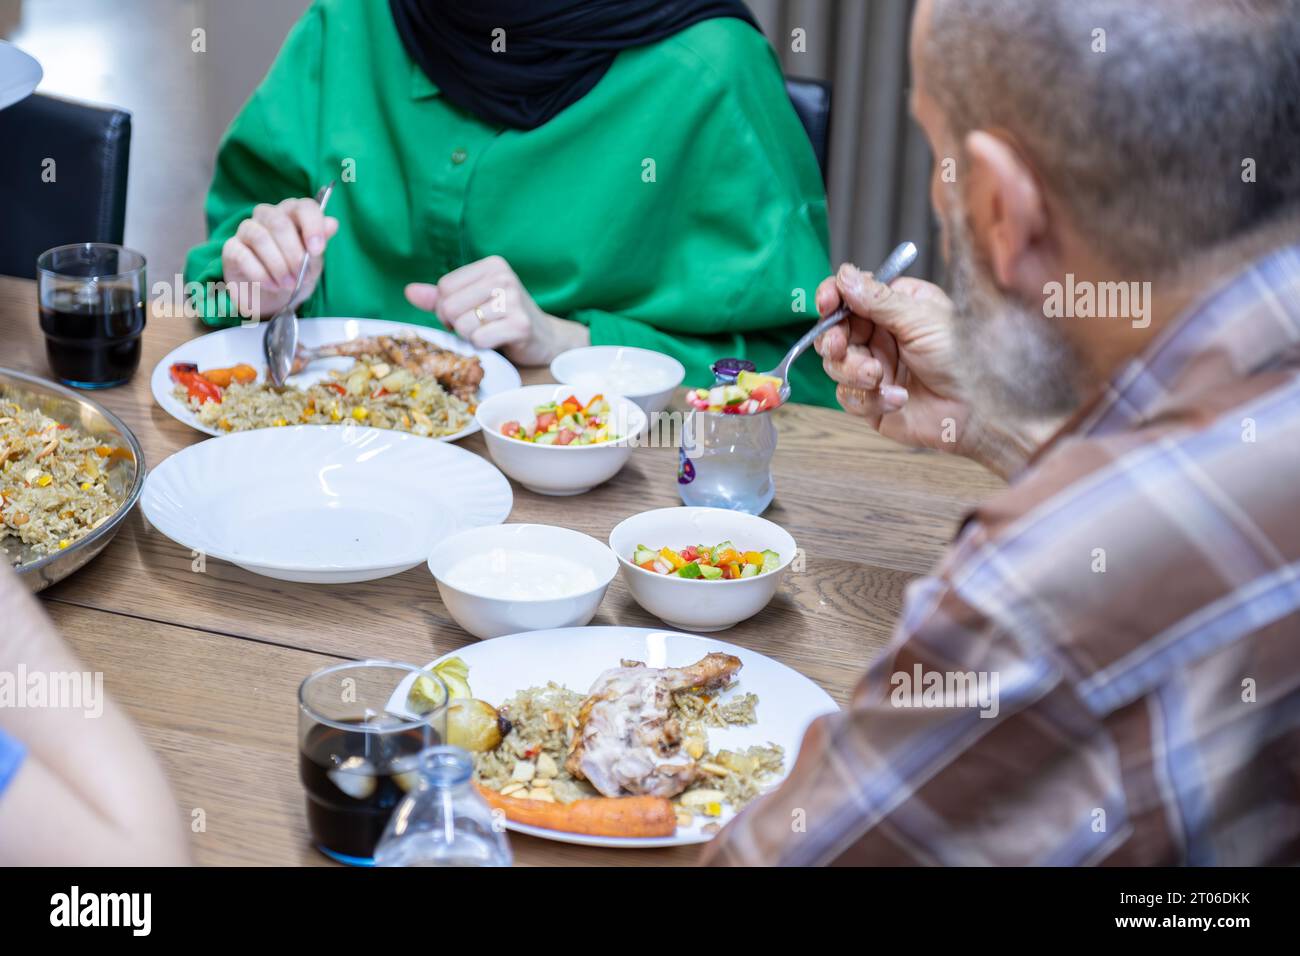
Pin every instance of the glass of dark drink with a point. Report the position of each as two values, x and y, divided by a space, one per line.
92 305
362 726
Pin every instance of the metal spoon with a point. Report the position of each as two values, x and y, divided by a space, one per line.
280 340
902 257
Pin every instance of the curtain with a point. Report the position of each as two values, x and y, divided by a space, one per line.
879 165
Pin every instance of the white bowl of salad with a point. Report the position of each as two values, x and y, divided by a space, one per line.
558 440
701 569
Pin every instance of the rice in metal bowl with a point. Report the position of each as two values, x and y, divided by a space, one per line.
54 481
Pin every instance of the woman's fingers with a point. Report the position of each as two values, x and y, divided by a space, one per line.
507 331
306 214
422 295
284 232
256 237
496 306
488 294
467 275
240 264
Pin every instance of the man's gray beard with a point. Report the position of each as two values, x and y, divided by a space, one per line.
1015 361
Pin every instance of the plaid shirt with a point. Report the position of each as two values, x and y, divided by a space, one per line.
1135 594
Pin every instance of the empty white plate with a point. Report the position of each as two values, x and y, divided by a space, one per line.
229 347
325 504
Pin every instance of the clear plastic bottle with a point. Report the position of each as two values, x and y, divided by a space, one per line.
443 821
726 460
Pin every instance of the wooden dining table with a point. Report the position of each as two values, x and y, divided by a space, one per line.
207 657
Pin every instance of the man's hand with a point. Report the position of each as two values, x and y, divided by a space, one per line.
486 304
895 360
267 249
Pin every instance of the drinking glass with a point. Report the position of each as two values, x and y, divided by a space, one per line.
92 307
362 726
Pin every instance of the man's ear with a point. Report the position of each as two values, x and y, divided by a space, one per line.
1007 212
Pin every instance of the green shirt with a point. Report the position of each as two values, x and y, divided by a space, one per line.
677 206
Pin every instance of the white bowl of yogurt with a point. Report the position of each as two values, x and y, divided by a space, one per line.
509 578
646 377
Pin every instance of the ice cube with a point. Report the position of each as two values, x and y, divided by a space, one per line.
355 776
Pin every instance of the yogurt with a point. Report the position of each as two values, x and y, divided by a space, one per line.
624 379
515 575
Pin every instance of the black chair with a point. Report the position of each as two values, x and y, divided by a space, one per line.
85 199
812 102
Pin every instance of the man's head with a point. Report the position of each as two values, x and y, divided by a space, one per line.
1112 139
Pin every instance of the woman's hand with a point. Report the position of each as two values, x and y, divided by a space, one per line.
486 304
267 250
895 360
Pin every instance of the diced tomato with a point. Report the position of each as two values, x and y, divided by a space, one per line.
182 368
335 386
380 392
767 396
731 410
510 429
690 553
546 420
565 436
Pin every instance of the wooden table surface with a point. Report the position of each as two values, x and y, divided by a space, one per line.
208 663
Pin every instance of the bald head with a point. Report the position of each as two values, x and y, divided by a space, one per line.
1162 127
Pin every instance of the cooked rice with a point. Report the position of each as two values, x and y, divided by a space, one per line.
373 393
54 486
543 720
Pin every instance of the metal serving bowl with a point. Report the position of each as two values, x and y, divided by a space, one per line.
125 476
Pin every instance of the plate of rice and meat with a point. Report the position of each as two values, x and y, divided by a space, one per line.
359 371
622 736
70 472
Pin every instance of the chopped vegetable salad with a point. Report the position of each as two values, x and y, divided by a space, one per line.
565 423
752 393
722 562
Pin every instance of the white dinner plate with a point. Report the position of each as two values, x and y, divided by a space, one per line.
575 656
228 347
19 75
325 504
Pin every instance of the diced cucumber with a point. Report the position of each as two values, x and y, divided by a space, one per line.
749 570
643 554
547 438
733 395
710 573
771 561
723 547
690 570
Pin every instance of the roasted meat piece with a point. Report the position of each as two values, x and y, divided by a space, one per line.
458 374
626 742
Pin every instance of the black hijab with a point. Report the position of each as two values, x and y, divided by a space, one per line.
555 50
